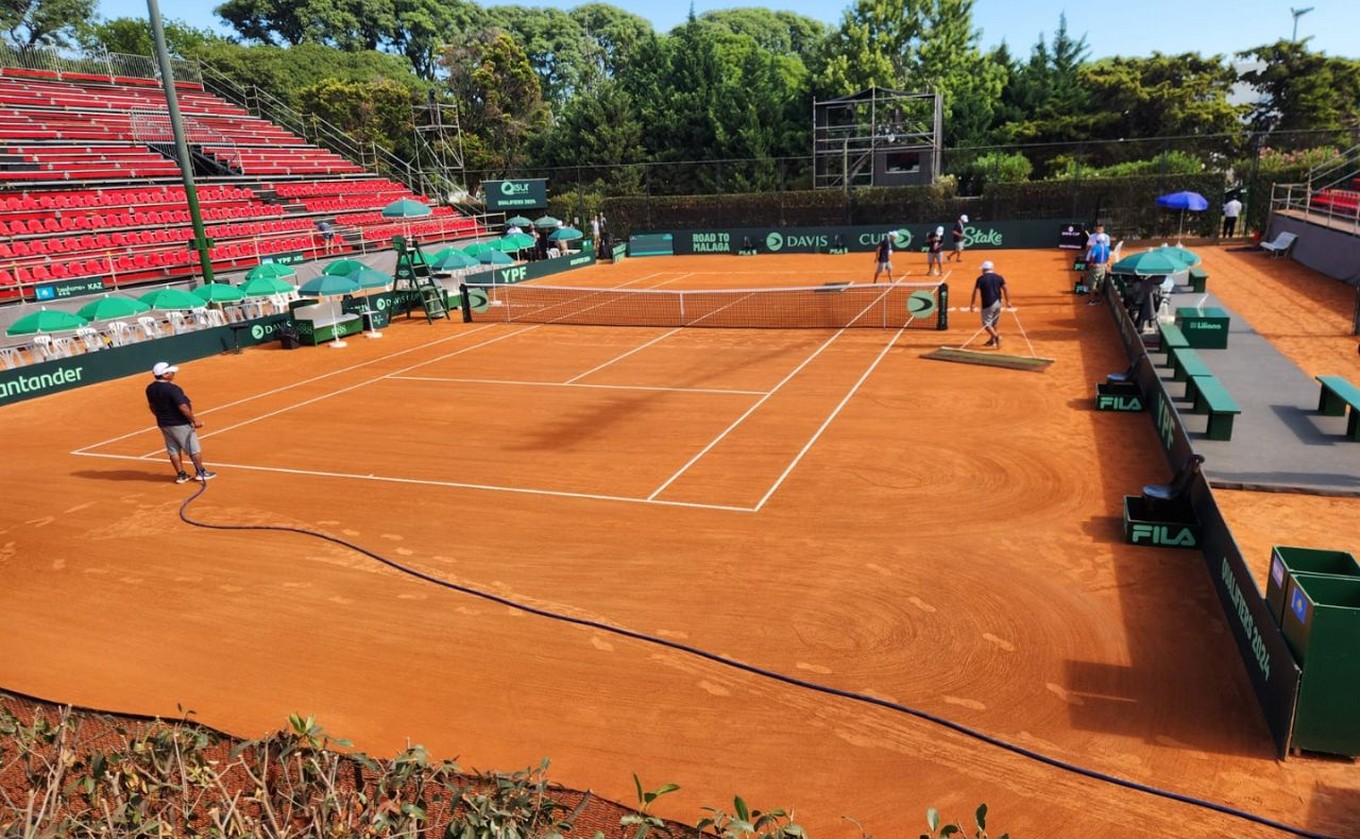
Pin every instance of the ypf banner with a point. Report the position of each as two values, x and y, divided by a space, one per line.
524 194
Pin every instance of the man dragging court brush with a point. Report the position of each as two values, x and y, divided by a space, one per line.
175 417
992 287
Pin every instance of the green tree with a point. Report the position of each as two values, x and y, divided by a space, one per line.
1044 100
785 33
346 24
916 46
553 42
375 112
282 73
132 36
597 132
1302 90
499 97
613 36
43 23
424 26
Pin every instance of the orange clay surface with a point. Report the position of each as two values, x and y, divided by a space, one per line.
940 535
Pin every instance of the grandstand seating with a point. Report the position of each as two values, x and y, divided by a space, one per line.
81 196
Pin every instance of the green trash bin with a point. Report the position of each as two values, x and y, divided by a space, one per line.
1322 625
1286 560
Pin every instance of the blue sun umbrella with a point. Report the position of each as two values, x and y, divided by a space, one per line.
1192 201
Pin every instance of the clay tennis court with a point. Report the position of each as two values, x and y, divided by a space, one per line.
824 505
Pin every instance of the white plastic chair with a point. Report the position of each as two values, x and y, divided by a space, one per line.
42 348
12 358
151 327
89 336
179 324
63 347
122 333
211 317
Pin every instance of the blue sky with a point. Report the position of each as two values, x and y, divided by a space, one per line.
1167 26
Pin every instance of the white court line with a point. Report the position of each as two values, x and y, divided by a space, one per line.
618 358
573 384
294 385
739 420
451 484
834 413
364 383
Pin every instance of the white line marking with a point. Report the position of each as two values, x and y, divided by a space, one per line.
617 358
451 484
293 385
834 413
570 384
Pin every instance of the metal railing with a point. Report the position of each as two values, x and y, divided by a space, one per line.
153 127
1300 200
108 64
1328 175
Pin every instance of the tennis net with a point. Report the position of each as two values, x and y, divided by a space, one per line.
830 306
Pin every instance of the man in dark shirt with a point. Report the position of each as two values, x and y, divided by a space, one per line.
883 257
992 287
175 418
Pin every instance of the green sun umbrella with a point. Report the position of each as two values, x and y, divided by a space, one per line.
567 233
329 285
112 306
521 240
368 278
44 320
344 267
171 299
1153 263
271 269
494 257
546 221
476 249
453 261
507 244
406 208
1189 257
265 286
218 293
518 221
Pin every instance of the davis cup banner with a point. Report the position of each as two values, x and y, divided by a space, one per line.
524 194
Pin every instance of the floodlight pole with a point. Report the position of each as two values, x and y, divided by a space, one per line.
1298 13
186 163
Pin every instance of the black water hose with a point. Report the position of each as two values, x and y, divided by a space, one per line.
958 728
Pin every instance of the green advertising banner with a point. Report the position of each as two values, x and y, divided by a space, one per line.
906 237
48 377
525 194
69 288
531 270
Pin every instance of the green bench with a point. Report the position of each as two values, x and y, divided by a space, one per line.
1172 339
1212 398
1337 394
1198 280
1186 363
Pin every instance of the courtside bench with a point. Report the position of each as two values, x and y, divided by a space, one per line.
1337 395
1199 279
1172 339
1211 397
1186 363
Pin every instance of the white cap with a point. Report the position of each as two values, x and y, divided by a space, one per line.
987 266
963 218
939 230
163 368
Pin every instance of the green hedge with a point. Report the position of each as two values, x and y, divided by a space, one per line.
1127 205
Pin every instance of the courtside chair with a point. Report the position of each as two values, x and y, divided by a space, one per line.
151 327
122 333
89 336
42 347
12 358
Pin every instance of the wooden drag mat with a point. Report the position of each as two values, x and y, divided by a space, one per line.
831 507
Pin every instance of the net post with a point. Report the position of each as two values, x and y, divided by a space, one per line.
942 310
464 303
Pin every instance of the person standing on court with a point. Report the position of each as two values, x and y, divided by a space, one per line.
1231 211
959 235
175 417
935 252
992 287
883 257
1097 264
